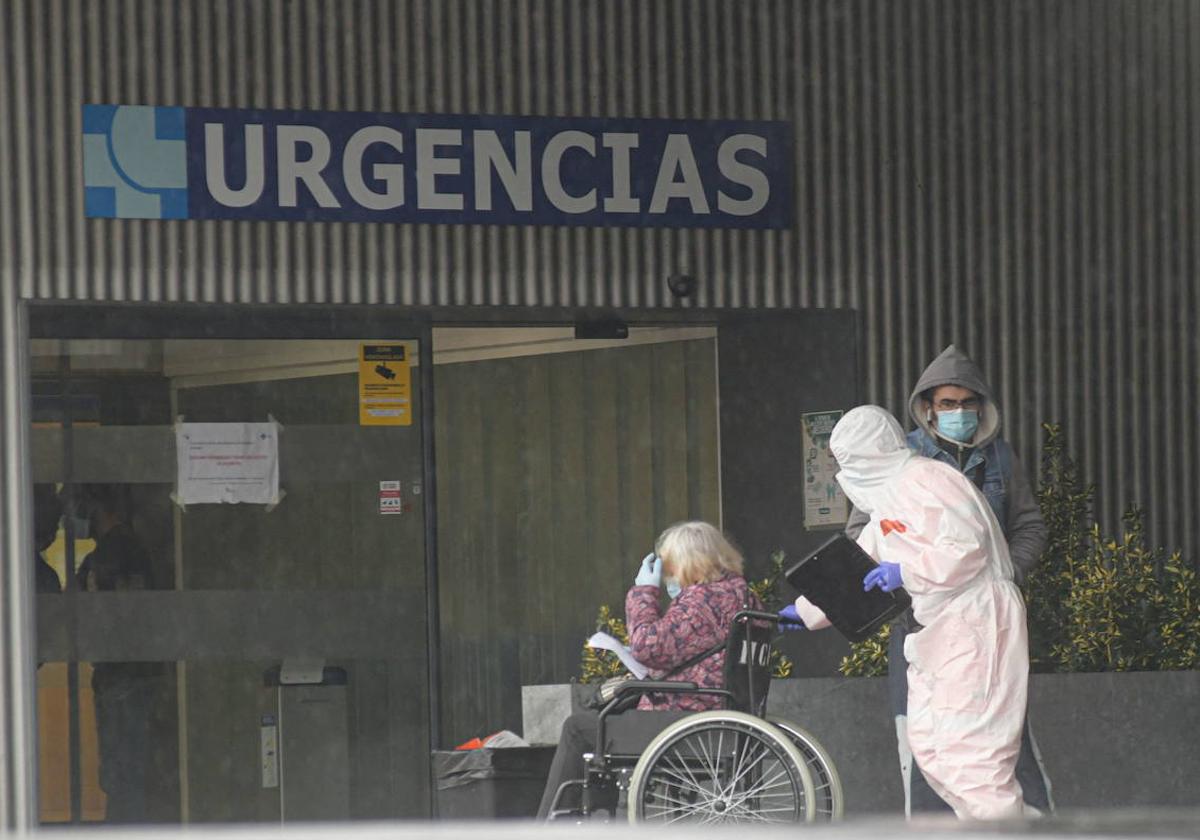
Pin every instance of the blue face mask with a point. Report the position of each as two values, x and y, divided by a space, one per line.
959 425
673 587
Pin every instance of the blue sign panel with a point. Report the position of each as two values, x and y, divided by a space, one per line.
218 163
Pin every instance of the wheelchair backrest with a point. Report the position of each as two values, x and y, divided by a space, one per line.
748 660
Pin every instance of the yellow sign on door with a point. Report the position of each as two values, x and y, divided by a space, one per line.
384 385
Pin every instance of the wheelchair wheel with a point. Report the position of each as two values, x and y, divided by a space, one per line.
827 786
721 767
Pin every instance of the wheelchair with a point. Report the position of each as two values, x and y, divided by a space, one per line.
732 765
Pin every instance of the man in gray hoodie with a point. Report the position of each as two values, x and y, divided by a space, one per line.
958 422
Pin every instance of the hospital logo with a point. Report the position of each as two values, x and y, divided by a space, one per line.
134 162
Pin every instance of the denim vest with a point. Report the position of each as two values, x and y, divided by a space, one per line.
996 458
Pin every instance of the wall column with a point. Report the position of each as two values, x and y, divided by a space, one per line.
18 741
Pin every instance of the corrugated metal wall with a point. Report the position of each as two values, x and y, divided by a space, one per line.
1019 177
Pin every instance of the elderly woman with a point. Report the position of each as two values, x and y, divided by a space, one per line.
934 534
703 575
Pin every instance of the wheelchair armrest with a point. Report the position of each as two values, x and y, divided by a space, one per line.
643 686
625 693
674 687
661 687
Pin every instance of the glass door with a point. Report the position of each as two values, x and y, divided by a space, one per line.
233 608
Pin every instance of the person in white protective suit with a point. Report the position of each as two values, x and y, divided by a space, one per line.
933 532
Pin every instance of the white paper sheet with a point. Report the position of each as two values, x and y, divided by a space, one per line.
227 463
607 642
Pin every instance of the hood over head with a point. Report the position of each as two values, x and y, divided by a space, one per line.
870 449
954 367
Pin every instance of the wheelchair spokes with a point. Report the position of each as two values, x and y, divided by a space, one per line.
827 785
720 767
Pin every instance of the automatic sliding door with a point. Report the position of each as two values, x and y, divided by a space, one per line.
255 658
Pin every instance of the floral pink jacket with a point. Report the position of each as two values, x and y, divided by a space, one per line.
694 622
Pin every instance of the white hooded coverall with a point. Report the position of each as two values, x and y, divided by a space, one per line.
969 665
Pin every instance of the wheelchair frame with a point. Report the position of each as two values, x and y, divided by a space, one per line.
720 766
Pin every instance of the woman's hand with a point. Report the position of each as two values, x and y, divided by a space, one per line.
650 574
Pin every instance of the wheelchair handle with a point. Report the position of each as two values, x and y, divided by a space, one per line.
757 615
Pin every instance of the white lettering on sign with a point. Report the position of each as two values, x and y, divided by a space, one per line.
429 166
389 174
677 156
552 171
516 176
743 174
483 169
214 166
622 199
288 139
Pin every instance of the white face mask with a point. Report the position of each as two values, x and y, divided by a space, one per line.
672 586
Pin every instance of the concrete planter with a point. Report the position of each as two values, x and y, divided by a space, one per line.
1107 740
545 707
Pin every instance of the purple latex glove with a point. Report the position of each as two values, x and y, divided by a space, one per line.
790 619
886 576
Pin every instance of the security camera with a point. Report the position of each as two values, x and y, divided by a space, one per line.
681 285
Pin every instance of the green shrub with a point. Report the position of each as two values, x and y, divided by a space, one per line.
1094 603
1066 504
1127 608
868 658
767 590
1099 603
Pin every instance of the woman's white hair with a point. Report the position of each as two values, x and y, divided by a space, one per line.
697 552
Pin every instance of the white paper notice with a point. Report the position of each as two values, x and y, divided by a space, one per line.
227 463
825 503
607 642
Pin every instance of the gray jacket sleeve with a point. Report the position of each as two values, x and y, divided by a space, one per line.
1025 528
856 522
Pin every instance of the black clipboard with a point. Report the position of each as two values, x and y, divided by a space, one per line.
831 577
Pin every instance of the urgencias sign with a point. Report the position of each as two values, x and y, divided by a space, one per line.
218 163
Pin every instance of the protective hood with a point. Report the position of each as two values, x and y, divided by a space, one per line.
870 449
954 367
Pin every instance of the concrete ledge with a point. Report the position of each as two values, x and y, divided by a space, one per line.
1108 740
